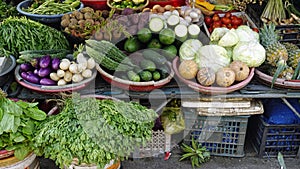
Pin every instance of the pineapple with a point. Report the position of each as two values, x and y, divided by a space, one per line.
293 53
287 73
276 53
290 46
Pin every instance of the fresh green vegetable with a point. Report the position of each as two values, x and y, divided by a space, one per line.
189 48
229 39
7 9
156 24
196 153
173 20
106 61
170 52
181 32
145 75
251 53
133 76
18 121
194 31
205 54
52 7
218 33
28 55
147 65
19 34
245 33
144 35
167 36
94 131
156 75
154 56
132 44
154 43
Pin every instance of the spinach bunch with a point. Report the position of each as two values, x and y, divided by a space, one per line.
19 34
62 139
18 121
116 126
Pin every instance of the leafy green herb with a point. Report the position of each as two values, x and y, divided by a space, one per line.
94 131
196 153
16 128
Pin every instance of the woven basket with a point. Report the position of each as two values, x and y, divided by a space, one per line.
121 9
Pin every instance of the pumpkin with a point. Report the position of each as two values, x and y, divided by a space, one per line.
188 69
240 69
225 77
206 76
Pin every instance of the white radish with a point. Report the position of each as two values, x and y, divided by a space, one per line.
81 67
87 73
64 64
81 58
91 63
73 68
77 78
68 76
54 76
60 73
61 82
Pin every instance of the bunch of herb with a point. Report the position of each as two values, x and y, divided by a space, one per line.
74 132
18 121
196 153
116 126
19 34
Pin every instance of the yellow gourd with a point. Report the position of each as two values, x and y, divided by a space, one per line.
206 4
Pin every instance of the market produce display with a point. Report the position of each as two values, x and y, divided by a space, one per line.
21 34
52 7
94 131
18 122
133 4
235 51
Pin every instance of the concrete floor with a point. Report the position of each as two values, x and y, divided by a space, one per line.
250 161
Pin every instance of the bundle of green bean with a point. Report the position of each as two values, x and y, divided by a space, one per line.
53 7
19 34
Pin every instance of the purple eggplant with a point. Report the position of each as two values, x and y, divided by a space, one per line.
45 61
35 62
55 63
43 72
33 78
24 75
24 67
47 81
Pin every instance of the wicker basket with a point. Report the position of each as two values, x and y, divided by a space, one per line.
121 9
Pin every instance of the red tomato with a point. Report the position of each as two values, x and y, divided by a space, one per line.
223 25
217 23
229 26
235 21
210 29
240 21
255 30
235 26
227 15
215 26
233 17
216 17
208 20
226 21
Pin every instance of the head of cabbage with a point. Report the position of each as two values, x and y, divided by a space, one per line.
212 56
250 52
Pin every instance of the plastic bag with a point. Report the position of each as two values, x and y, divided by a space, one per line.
172 120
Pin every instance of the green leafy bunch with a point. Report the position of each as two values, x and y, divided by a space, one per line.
18 121
196 153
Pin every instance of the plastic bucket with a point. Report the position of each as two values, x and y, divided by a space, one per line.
30 162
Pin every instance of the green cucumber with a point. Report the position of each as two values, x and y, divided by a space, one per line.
156 24
154 56
148 65
133 76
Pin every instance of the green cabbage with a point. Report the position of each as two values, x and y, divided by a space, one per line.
229 39
189 48
252 53
212 56
218 33
245 33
